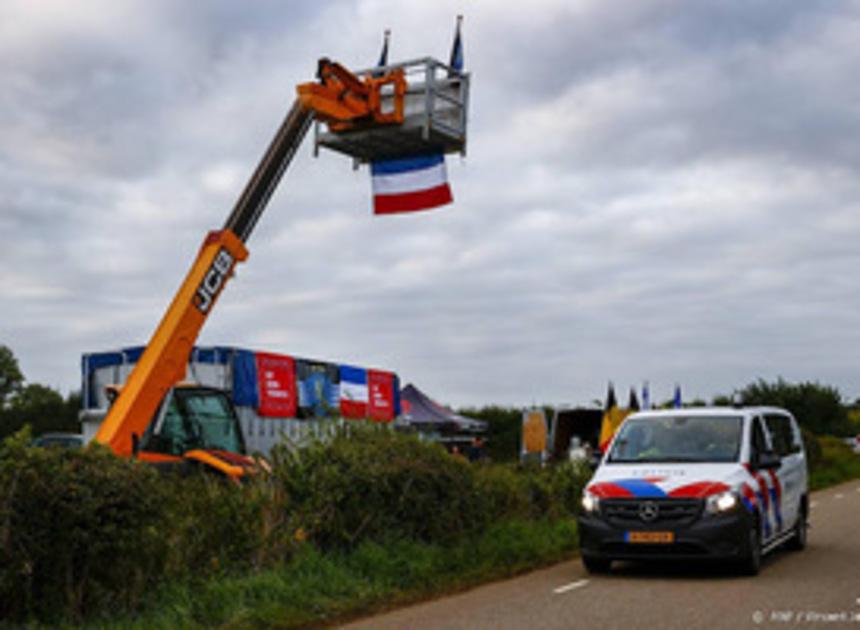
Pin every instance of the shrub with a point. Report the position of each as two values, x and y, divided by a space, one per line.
85 534
504 490
531 493
837 463
369 483
503 430
813 449
561 489
212 526
816 407
78 531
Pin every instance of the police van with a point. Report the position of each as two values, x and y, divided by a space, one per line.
719 483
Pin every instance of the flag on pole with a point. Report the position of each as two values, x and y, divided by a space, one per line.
612 419
410 184
633 402
676 402
353 392
456 61
383 56
646 396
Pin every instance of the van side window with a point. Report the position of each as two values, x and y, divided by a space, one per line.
758 444
782 435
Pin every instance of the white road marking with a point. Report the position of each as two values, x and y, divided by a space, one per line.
839 496
813 504
858 489
570 587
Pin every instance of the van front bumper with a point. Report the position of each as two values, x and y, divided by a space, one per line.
721 536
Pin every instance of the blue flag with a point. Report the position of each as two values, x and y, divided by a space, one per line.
456 61
677 400
383 56
646 396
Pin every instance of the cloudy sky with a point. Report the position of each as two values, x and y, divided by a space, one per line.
655 190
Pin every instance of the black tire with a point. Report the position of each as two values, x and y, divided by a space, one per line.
751 564
797 542
596 565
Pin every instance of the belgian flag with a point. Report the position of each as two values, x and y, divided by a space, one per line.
613 416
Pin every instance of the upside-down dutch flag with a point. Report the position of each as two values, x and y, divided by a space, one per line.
410 184
353 392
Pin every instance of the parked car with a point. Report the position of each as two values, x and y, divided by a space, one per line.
708 483
60 440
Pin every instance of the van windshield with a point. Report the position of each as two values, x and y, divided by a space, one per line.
712 439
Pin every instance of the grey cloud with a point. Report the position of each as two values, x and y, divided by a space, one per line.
664 192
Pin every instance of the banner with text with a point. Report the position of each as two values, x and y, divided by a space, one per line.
276 383
381 395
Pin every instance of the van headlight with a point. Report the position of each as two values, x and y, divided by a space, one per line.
722 502
590 503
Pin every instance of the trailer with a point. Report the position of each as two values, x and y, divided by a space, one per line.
276 397
572 425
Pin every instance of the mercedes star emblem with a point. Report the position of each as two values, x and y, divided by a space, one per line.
648 511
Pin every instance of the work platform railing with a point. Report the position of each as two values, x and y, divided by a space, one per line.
435 120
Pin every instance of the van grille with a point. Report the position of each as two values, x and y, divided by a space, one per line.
669 512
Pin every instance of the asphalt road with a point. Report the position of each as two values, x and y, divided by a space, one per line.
815 588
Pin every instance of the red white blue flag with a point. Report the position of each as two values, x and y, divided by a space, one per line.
353 392
410 184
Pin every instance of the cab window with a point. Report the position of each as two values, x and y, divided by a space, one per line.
212 420
781 434
172 436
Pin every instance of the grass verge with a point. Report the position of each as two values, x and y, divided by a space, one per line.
838 463
317 588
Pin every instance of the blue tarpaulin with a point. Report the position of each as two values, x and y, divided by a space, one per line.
245 393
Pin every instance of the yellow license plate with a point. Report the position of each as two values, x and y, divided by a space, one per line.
650 537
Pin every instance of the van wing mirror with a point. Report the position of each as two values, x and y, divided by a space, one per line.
768 461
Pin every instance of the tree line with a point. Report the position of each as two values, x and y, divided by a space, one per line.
819 409
40 406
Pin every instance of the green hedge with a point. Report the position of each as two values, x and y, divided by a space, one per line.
86 535
372 484
368 517
835 462
79 531
375 484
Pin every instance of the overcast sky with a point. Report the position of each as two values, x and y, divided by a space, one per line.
656 190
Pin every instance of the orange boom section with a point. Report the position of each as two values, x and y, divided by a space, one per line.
163 362
341 98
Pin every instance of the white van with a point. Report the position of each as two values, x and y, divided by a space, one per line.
720 483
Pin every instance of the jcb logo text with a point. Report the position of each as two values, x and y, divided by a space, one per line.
213 281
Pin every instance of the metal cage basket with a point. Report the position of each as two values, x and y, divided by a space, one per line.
435 108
